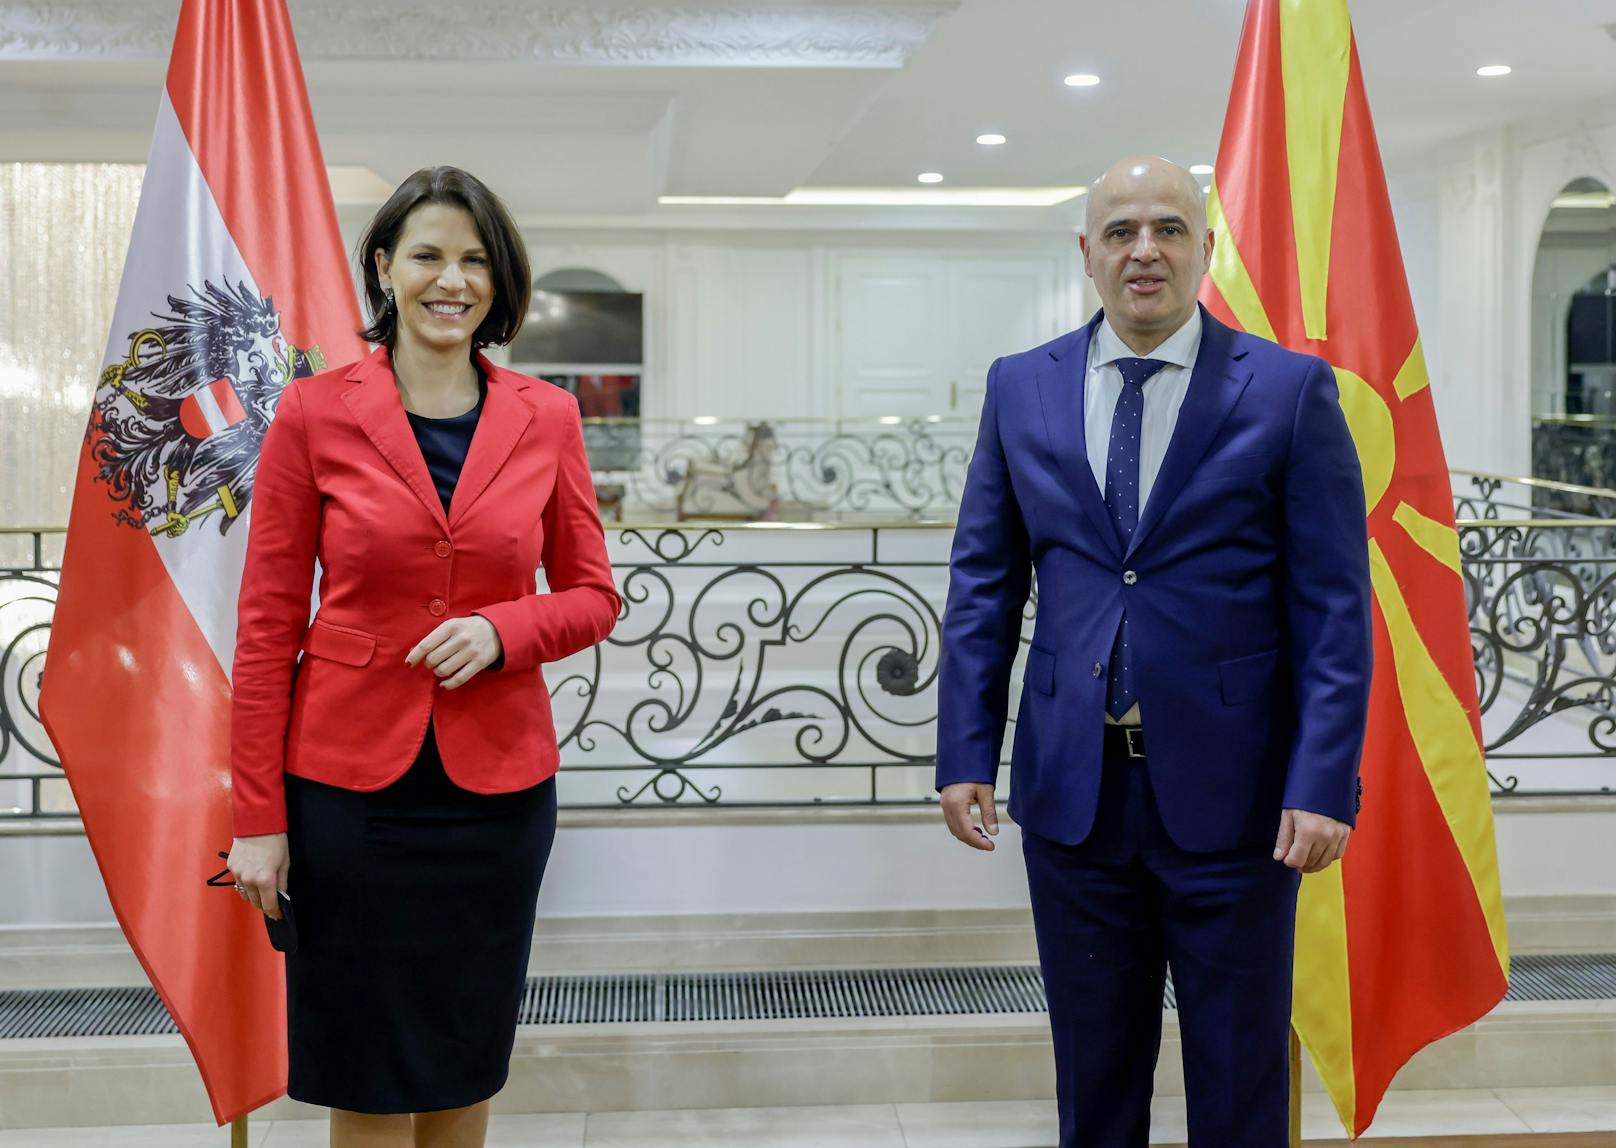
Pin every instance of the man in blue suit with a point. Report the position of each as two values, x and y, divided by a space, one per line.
1195 695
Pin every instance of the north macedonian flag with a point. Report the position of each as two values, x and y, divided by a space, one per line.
234 284
1404 942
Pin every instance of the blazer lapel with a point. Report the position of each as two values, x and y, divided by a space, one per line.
504 419
1061 385
1216 384
379 412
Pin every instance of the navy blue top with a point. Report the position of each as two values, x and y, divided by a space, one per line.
444 444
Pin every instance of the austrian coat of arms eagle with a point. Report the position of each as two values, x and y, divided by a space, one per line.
179 422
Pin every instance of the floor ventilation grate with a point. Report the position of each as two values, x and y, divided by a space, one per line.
83 1012
739 996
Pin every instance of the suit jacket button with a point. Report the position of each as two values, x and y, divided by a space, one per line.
1129 577
437 607
1099 670
442 549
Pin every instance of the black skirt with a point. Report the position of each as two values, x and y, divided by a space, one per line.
415 908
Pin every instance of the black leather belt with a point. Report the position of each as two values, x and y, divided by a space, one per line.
1125 740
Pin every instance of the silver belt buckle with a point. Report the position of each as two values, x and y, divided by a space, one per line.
1135 737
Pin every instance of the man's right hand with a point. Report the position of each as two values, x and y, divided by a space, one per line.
957 801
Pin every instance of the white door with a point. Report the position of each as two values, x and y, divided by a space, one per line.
891 335
997 307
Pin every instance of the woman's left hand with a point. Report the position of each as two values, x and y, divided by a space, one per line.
458 650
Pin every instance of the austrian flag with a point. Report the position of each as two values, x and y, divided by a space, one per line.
234 285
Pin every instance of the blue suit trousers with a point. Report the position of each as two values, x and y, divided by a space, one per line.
1111 915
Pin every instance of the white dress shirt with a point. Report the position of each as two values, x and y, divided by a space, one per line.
1164 395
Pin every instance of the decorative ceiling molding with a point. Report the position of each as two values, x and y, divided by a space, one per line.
723 35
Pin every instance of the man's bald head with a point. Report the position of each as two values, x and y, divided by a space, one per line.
1143 173
1146 246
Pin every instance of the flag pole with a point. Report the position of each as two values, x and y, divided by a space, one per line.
1296 1090
238 1132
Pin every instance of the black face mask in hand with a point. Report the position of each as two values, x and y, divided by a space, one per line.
282 933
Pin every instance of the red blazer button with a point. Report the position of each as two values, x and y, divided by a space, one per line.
437 607
442 549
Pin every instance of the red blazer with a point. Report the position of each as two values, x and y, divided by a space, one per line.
341 480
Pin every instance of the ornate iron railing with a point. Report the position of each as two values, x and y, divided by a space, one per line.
796 664
30 775
782 469
759 667
1540 585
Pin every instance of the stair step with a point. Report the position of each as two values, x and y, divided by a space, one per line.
60 1081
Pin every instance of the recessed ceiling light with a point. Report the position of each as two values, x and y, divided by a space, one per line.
1082 80
930 177
1493 70
990 139
1201 169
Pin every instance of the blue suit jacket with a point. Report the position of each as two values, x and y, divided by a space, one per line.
1246 585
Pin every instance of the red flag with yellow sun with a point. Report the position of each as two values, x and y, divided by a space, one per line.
1404 942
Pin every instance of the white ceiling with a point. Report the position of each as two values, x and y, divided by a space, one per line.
563 131
1167 66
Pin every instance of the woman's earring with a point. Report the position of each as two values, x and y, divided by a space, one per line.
388 305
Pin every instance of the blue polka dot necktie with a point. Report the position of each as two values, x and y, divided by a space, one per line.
1122 500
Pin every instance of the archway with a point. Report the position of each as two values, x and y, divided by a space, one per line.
1573 338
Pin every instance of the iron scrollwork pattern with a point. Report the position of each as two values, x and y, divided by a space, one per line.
28 762
727 668
1542 609
785 469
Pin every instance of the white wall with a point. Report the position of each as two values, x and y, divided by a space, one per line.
1416 196
814 864
753 324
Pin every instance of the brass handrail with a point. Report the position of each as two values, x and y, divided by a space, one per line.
964 421
1538 483
1576 420
1534 523
948 523
939 524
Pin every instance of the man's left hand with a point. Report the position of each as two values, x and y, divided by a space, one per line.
458 650
1310 842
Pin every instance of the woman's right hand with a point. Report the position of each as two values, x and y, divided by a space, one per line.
260 865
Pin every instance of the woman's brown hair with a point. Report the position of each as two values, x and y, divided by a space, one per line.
508 265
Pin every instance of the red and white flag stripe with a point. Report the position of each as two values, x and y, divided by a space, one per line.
181 241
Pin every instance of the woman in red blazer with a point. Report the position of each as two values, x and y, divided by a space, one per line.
396 780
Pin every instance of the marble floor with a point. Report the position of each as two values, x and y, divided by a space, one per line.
1409 1117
